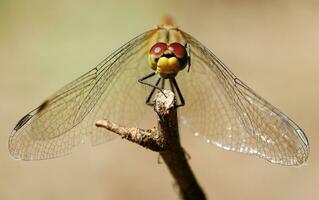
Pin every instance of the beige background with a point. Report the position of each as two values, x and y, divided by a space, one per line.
273 46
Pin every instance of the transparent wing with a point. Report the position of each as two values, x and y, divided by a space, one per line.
229 114
68 117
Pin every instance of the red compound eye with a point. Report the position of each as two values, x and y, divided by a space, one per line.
178 49
158 49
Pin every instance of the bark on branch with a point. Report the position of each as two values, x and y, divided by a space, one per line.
150 138
165 140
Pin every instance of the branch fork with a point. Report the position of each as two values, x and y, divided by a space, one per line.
165 140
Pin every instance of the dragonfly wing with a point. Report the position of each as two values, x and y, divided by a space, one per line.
65 120
231 115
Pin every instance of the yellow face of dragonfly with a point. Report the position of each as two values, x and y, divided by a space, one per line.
167 59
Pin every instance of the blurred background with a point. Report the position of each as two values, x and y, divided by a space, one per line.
271 45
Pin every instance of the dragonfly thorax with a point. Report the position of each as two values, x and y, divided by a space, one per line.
167 59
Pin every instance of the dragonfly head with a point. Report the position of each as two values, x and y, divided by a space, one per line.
167 59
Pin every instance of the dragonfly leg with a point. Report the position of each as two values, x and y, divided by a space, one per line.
155 86
141 80
163 83
174 86
148 99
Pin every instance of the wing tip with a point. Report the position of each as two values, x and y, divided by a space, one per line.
302 136
22 121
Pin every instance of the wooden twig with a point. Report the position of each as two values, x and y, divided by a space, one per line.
150 138
165 140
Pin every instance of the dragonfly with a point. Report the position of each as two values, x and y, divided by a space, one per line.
212 102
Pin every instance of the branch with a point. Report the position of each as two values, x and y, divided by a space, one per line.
150 138
165 140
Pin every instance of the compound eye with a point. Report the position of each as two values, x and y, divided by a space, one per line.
158 49
178 49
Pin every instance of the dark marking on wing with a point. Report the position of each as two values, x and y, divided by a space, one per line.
23 121
43 106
